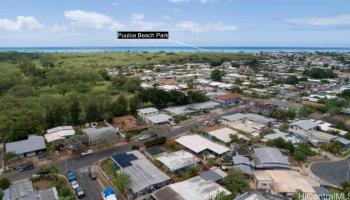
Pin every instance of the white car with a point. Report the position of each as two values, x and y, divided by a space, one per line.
75 185
143 137
88 152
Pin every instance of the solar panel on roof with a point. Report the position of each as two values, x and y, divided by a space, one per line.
124 159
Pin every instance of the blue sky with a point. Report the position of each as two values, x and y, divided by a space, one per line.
41 23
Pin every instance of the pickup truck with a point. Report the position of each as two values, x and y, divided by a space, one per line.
88 152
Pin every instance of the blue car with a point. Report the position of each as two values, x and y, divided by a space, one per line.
71 176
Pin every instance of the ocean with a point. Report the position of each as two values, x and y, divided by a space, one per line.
172 49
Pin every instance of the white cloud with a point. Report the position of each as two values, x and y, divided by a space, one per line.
339 20
201 28
138 22
92 20
21 22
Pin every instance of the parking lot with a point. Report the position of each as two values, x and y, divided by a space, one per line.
91 187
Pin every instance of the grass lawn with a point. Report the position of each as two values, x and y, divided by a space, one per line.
43 184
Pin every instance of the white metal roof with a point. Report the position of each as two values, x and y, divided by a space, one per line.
223 134
147 110
58 133
178 160
199 144
195 188
160 118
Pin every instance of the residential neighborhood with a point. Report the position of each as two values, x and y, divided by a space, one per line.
196 132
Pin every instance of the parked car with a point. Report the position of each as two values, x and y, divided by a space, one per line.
93 175
75 184
25 166
88 152
79 192
144 137
108 194
71 176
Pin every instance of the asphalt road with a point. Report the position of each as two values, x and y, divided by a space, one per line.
82 162
334 172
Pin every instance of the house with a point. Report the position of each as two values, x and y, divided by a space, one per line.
24 190
178 110
308 129
128 123
345 143
95 134
251 196
229 99
178 161
249 116
288 137
199 145
32 146
283 182
243 164
214 174
195 188
204 106
145 112
240 122
270 158
144 176
224 135
158 119
59 133
263 109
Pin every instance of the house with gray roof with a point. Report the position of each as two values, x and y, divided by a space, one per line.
307 129
32 146
24 190
270 158
144 176
303 125
97 134
158 119
145 112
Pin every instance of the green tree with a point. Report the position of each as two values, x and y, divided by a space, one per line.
216 75
93 112
196 96
4 183
298 195
120 106
177 98
75 110
135 103
121 182
236 183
